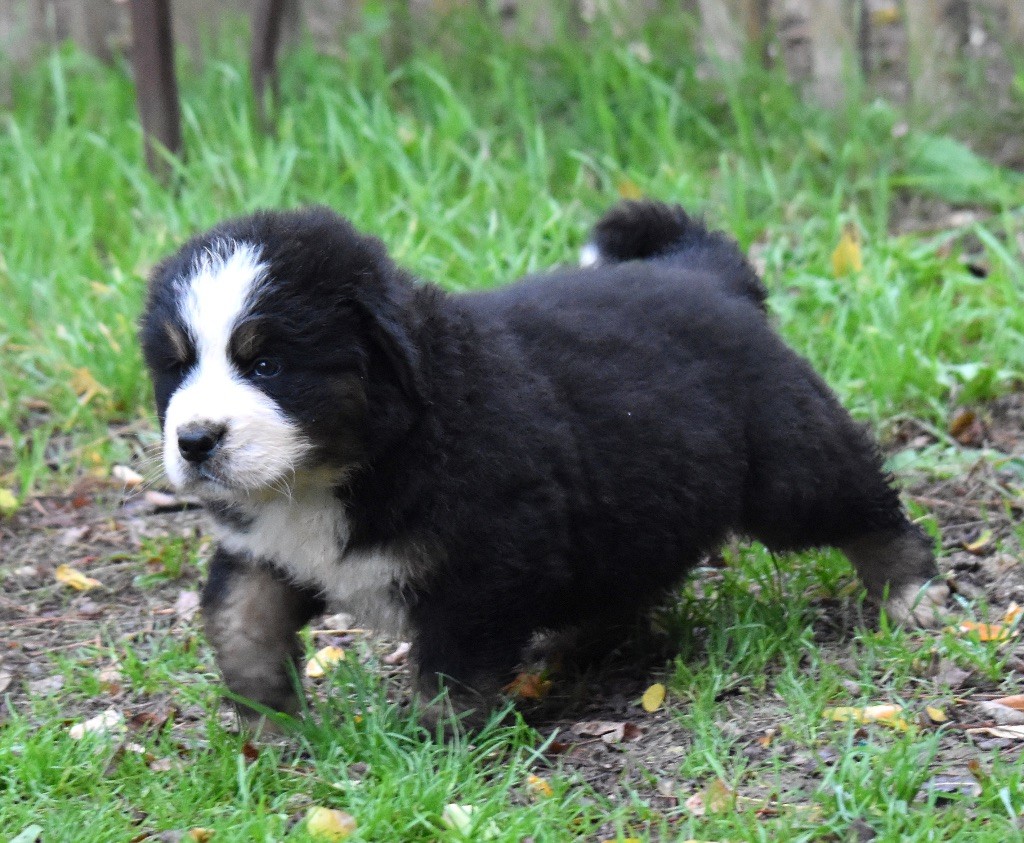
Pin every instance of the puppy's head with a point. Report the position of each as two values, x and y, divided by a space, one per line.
269 340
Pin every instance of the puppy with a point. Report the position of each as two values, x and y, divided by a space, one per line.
465 470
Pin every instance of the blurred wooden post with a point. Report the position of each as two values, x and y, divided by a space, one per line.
719 27
731 26
266 36
932 44
1015 21
755 23
156 90
830 29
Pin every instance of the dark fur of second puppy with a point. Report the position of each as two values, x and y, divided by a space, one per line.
466 470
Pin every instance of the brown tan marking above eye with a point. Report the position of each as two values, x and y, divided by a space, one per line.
246 340
179 342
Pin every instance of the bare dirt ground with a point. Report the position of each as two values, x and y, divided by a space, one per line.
145 598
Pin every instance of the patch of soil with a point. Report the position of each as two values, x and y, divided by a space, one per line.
117 541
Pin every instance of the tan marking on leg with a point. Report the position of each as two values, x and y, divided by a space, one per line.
253 631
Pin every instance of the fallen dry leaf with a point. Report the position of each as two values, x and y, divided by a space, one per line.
986 631
110 679
324 658
160 500
716 798
1003 715
8 502
609 731
1015 702
200 835
128 476
980 544
528 686
329 824
74 578
936 715
695 805
847 255
1013 733
967 428
886 714
653 697
109 721
46 686
1013 613
400 655
187 604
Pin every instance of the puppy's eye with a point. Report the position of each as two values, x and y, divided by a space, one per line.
265 368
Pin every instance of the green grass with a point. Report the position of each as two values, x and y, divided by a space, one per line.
476 161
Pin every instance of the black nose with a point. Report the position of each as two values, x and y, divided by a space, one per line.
197 441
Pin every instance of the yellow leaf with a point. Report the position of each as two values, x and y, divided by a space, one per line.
653 697
886 16
980 543
936 715
200 835
629 189
325 657
8 502
329 824
887 715
847 257
1013 612
86 387
74 578
538 787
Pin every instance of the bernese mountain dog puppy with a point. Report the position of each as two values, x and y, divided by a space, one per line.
468 469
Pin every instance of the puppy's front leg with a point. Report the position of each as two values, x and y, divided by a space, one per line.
898 565
252 615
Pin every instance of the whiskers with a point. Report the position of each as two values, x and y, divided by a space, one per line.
149 465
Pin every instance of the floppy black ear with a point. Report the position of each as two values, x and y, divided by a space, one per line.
392 342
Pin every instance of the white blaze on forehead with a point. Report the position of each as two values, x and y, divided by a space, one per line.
218 293
260 445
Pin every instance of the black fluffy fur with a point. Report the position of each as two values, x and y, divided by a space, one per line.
561 450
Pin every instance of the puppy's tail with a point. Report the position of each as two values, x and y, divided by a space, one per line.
649 230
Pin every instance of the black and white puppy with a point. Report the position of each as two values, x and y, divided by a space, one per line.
468 469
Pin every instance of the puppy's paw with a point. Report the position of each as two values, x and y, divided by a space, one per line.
920 604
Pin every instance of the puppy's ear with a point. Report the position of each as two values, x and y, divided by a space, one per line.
392 342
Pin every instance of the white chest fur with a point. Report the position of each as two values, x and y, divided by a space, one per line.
306 536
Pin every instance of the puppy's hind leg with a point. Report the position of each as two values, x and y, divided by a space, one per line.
816 479
461 661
